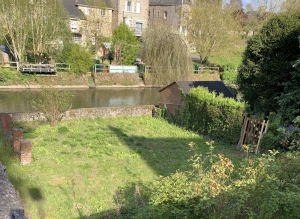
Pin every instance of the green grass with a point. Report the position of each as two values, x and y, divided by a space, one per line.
96 167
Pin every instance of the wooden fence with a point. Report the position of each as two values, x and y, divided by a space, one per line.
252 132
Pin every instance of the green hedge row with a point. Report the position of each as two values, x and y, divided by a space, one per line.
210 114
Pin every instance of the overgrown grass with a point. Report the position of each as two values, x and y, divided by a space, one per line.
100 168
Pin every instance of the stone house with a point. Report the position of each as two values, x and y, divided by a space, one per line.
89 19
134 13
169 12
171 96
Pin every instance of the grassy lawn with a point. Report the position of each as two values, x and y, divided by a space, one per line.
94 168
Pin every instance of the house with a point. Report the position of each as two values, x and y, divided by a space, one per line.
134 13
169 12
170 96
89 19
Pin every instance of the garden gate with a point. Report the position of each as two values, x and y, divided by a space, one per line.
252 131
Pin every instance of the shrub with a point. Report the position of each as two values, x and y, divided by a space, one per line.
259 188
213 115
53 103
79 59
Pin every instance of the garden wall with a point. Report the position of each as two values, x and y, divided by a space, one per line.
125 79
87 113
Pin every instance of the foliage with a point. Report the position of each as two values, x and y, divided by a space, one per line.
167 53
267 62
99 168
53 103
289 100
254 189
213 115
212 28
229 76
79 59
9 77
31 26
124 45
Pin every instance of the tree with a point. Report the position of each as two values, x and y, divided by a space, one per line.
267 62
80 60
14 26
98 22
211 28
290 5
167 53
289 101
125 45
30 25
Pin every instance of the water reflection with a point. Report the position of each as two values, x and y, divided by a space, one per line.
19 100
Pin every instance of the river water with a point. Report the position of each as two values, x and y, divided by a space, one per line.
19 100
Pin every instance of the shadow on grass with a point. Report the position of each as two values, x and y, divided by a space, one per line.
164 156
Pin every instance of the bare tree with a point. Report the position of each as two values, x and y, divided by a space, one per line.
48 28
167 53
14 26
35 25
98 22
211 28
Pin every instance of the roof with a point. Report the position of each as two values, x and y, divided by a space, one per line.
94 3
216 86
167 2
71 9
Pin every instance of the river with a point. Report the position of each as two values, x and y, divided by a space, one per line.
19 100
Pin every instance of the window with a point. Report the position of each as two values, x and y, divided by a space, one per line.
165 15
98 25
76 37
102 12
138 7
157 13
128 6
128 22
74 25
87 10
149 13
138 27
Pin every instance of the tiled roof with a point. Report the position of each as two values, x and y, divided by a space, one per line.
71 9
216 86
167 2
106 4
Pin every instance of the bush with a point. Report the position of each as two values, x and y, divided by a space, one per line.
79 59
10 77
258 188
53 103
216 116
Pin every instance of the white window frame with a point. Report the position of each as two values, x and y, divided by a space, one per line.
87 10
102 12
138 8
165 14
129 6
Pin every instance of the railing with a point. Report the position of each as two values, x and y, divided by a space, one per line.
115 68
38 68
211 70
62 66
11 65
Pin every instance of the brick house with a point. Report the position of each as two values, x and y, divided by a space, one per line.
89 19
169 12
171 96
134 13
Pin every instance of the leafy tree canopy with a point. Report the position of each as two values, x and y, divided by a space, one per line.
125 45
268 60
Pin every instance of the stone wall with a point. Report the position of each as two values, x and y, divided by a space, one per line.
125 79
89 113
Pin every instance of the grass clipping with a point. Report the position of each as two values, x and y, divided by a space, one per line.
165 51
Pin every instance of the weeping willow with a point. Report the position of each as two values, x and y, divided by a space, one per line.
167 54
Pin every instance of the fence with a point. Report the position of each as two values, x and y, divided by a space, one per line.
62 66
11 65
115 68
252 132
